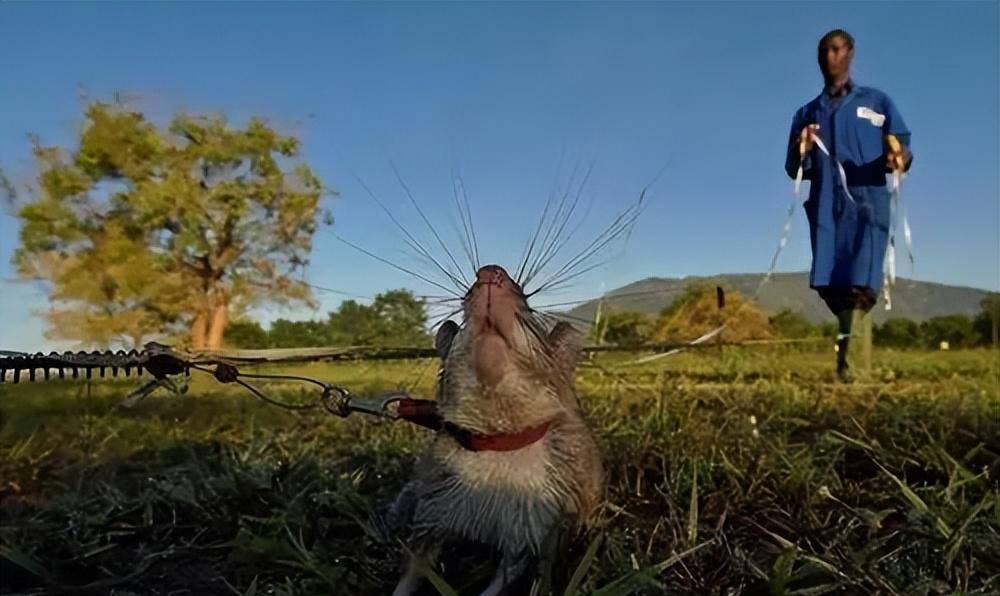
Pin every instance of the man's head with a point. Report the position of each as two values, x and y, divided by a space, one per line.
834 53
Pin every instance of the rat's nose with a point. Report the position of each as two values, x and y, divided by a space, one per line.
491 274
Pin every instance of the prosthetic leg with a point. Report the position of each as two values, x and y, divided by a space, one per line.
852 307
853 325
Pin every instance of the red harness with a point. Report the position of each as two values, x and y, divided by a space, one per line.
425 413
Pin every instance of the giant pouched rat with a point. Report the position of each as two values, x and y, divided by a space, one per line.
514 455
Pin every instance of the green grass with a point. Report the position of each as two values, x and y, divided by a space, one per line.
742 471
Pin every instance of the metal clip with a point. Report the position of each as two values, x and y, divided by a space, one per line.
341 402
378 405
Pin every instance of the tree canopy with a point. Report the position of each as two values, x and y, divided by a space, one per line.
394 319
142 231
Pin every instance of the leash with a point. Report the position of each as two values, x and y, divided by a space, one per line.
786 230
163 363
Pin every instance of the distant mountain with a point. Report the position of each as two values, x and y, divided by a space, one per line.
917 300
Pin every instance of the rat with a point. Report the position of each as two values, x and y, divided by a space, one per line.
514 456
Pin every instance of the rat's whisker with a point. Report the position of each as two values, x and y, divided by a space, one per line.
394 265
420 211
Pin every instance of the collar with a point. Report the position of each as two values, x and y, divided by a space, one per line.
850 90
499 442
844 91
425 413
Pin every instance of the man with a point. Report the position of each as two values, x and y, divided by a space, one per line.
849 228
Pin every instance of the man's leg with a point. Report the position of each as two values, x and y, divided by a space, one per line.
840 302
845 325
852 307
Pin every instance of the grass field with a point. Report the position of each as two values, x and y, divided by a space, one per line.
742 471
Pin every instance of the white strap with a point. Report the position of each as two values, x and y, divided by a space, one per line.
840 168
898 213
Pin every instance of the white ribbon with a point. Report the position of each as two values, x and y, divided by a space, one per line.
890 269
782 243
840 168
897 214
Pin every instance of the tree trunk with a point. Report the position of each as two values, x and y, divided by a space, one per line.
220 316
198 331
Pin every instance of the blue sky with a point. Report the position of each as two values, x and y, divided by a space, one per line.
512 96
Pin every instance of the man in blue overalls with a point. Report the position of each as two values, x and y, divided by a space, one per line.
848 227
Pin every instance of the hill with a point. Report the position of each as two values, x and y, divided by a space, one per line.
911 299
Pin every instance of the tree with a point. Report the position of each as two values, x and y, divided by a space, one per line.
246 334
352 323
142 231
898 333
298 334
402 319
395 318
696 312
986 321
954 329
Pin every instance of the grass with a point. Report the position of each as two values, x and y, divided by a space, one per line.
741 471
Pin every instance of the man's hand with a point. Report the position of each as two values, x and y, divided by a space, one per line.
806 142
896 154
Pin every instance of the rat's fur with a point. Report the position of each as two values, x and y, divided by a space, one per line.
502 372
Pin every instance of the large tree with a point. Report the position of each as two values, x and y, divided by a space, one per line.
142 231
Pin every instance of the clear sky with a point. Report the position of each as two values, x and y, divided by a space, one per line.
505 93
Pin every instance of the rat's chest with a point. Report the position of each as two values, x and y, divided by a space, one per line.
510 499
526 470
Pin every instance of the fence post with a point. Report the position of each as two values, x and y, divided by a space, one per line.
720 302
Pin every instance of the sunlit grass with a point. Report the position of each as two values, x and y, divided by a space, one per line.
740 471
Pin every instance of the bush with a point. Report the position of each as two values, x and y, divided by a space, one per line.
792 325
954 329
625 328
898 333
696 313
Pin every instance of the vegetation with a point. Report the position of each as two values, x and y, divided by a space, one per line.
696 312
142 232
792 325
623 328
745 471
394 319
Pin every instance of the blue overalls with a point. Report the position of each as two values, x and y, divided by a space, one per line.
848 238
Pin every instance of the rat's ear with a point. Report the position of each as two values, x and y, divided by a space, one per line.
567 346
445 335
